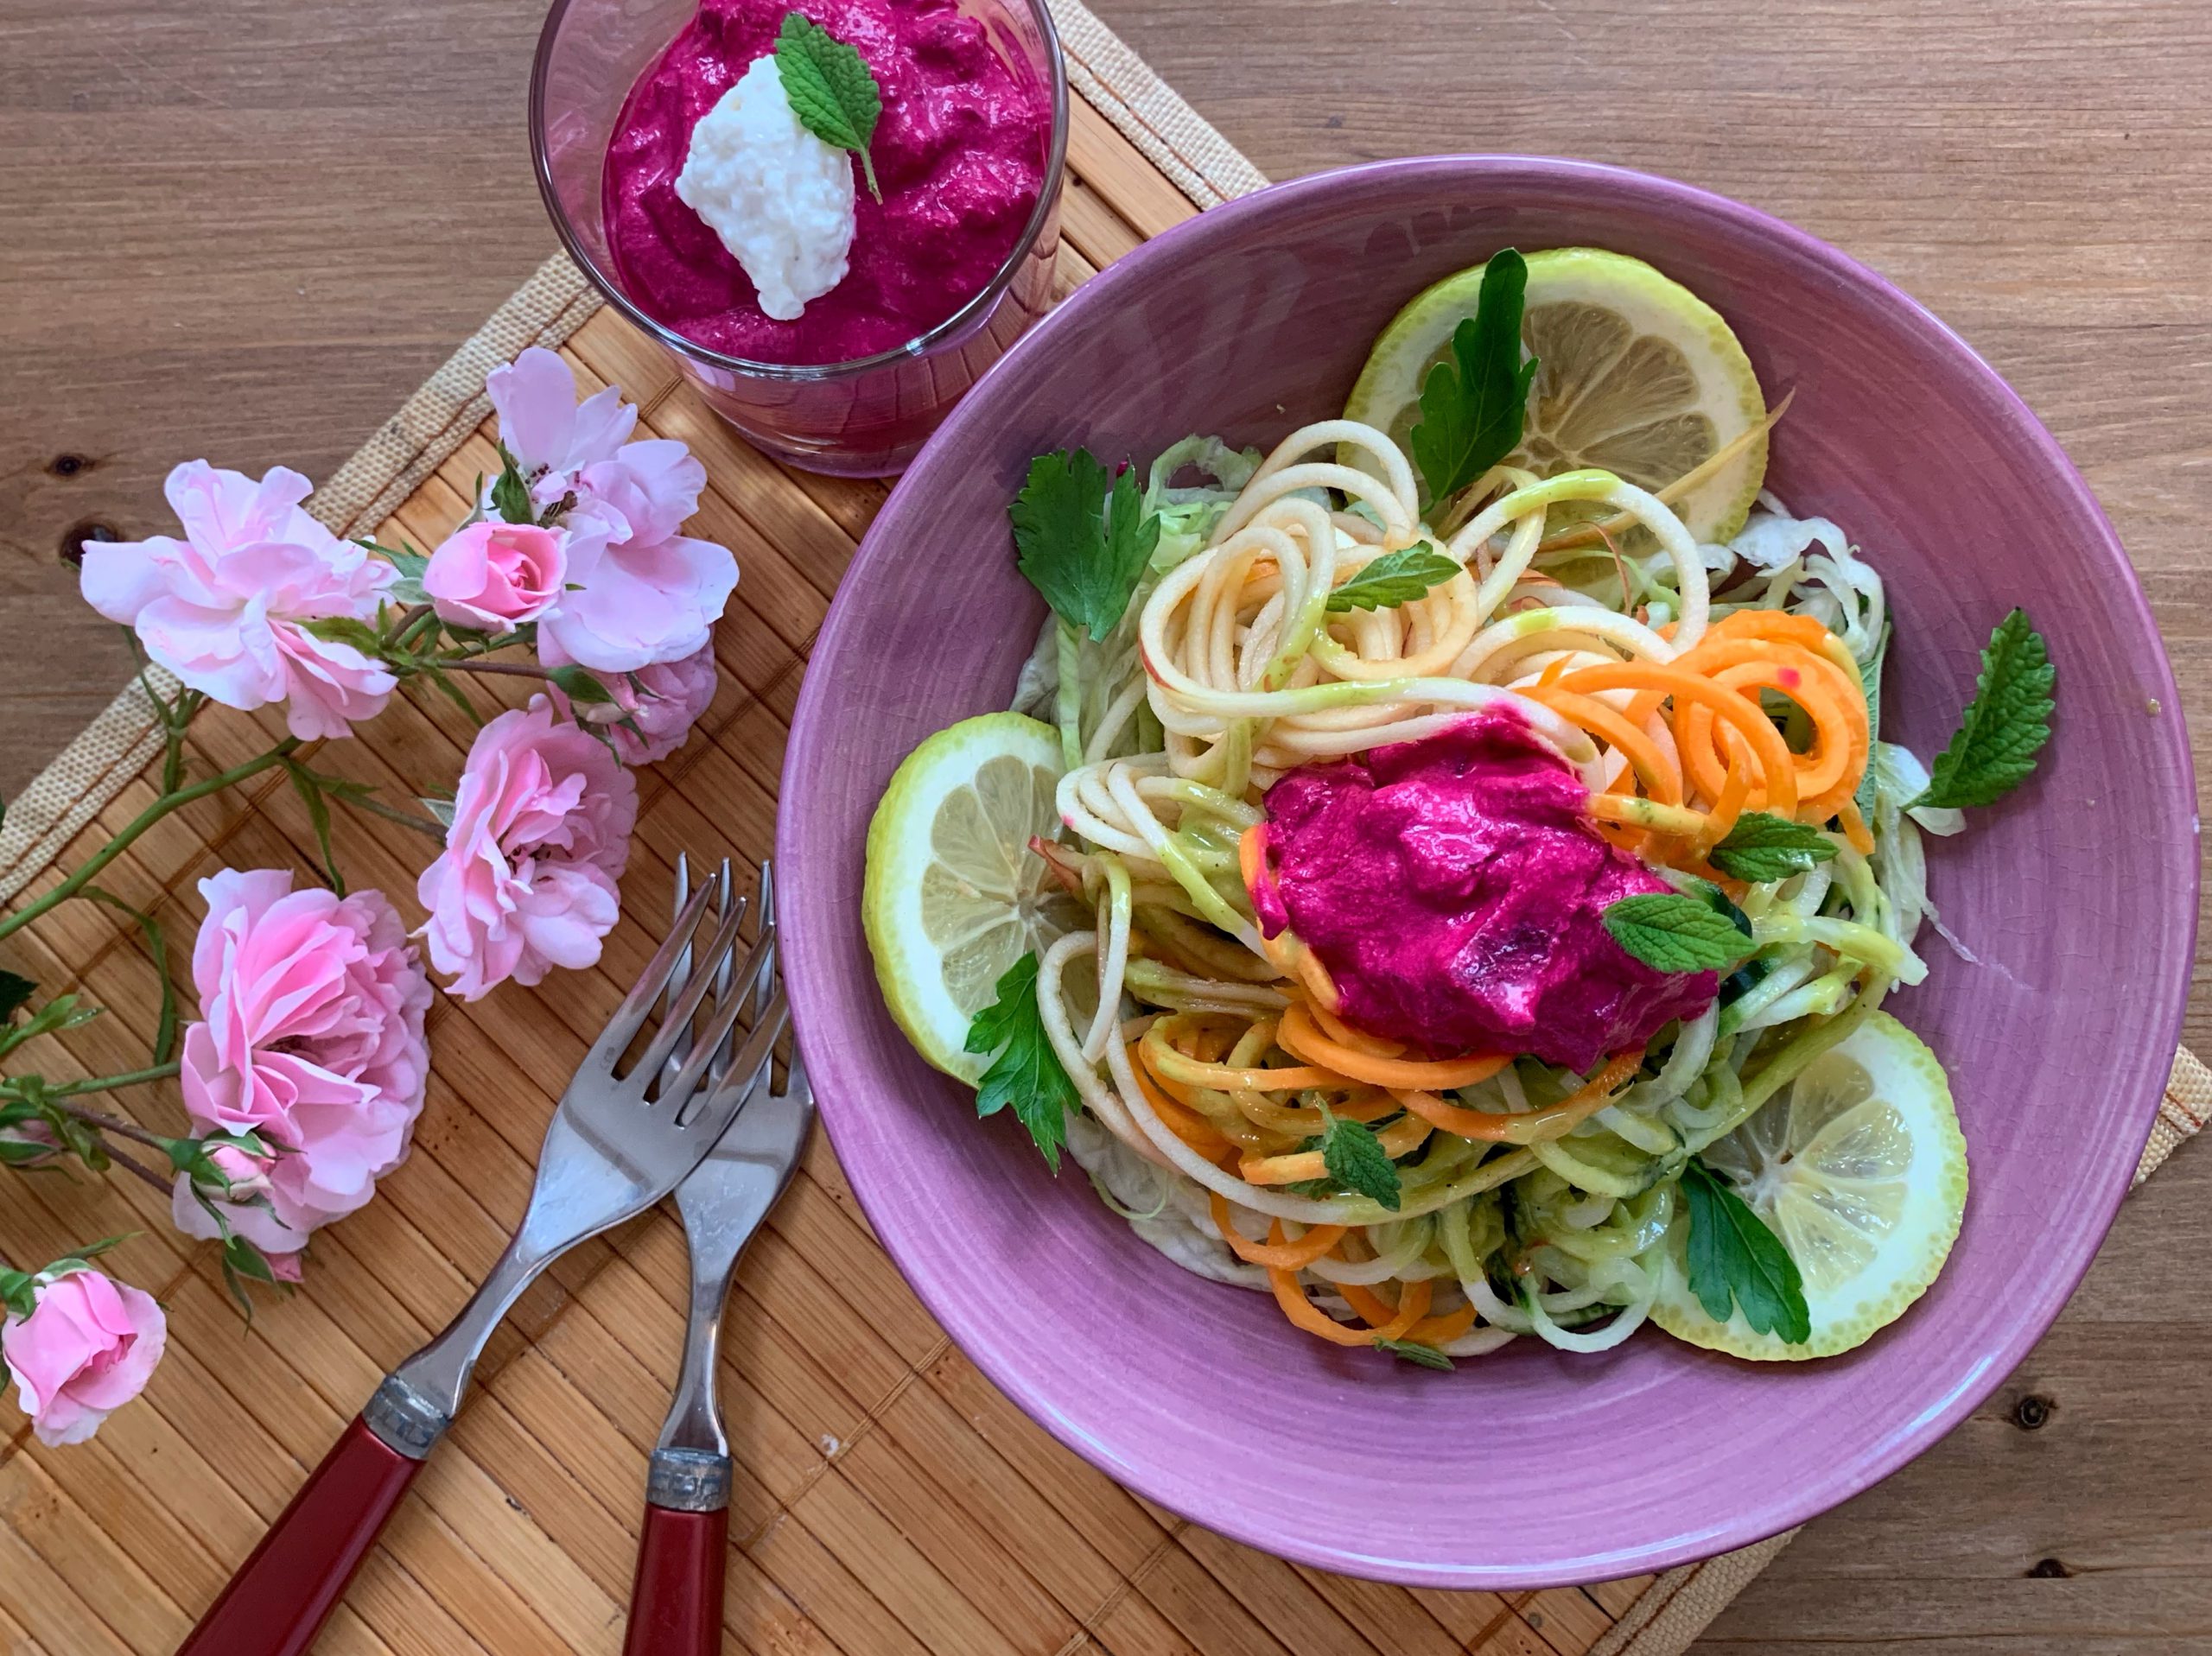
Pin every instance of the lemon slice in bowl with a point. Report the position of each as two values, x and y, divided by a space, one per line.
1635 375
953 895
1861 1171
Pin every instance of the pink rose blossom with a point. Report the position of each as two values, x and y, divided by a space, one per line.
642 593
493 576
88 1346
654 708
540 835
312 1038
27 1144
226 608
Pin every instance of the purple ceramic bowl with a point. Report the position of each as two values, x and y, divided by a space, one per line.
2079 895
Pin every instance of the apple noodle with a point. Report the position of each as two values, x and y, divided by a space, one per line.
1533 1200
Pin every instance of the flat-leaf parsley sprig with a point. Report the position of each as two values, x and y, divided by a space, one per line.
1081 545
1026 1073
2004 726
1472 407
1733 1261
830 89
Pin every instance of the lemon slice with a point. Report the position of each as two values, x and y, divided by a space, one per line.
953 896
1635 375
1862 1173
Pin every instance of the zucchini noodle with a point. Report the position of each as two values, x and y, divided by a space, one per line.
1684 686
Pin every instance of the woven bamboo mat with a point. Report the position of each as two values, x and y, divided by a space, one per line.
888 1501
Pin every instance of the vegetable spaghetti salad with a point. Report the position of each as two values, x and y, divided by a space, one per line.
1480 889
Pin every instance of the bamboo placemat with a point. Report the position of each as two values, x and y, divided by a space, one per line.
888 1501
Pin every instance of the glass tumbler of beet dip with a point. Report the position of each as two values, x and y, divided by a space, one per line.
944 269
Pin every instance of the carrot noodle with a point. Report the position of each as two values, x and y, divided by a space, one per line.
1219 1061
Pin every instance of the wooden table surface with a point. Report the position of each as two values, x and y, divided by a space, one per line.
246 229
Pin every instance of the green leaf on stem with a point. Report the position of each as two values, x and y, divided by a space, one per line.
454 694
830 88
310 792
63 1012
157 946
580 686
345 629
509 494
15 993
18 1293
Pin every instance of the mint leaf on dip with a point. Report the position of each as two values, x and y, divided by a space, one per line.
1670 932
830 89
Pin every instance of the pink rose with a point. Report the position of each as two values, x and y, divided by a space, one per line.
493 576
643 593
227 608
654 708
88 1346
639 491
540 835
312 1038
27 1143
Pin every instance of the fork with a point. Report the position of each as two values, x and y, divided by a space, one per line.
675 1603
617 1144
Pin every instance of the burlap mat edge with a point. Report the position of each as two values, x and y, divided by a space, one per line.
550 306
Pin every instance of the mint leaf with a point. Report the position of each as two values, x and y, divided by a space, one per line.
15 993
1027 1074
1356 1160
1471 416
1413 1351
2003 727
830 89
1762 846
1734 1260
1083 546
510 494
1395 578
1674 933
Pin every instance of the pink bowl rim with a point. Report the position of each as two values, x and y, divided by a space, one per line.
990 1346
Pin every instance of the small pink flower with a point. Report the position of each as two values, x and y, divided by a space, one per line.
312 1038
27 1144
227 608
639 491
654 708
493 576
642 593
540 835
88 1346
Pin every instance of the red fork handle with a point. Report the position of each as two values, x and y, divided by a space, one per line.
276 1603
676 1604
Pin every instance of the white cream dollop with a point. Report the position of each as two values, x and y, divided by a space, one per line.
780 199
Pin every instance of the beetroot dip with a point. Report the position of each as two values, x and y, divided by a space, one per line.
1453 888
960 150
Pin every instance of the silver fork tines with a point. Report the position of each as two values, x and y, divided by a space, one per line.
607 1158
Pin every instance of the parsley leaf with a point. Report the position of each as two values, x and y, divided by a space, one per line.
1763 846
829 89
1413 1351
1395 578
1356 1160
1734 1260
2004 725
1086 562
1027 1074
1675 933
1471 417
509 494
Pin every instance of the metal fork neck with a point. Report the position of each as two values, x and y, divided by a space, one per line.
418 1400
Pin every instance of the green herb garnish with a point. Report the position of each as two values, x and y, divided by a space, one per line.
830 89
1762 846
1471 415
1674 933
1026 1073
1734 1262
1356 1160
2003 727
1395 578
1413 1351
1086 561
